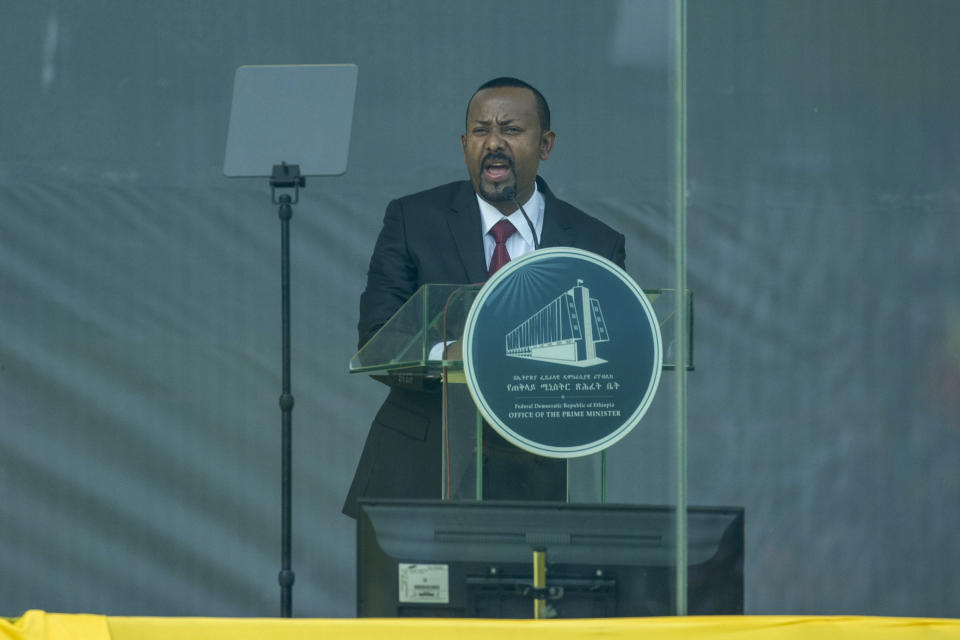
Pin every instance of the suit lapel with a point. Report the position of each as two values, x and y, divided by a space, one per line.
557 226
464 222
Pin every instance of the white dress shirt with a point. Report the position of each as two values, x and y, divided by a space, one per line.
519 244
522 242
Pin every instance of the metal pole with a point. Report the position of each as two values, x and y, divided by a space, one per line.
539 581
680 276
286 576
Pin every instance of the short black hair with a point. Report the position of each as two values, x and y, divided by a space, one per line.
543 110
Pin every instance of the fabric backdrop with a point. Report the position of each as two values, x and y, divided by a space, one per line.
139 288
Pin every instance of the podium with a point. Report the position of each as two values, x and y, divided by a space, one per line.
418 348
465 554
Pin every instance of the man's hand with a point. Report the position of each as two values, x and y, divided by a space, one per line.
454 351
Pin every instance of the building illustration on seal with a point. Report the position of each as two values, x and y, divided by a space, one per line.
566 331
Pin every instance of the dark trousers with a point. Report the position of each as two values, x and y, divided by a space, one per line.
510 473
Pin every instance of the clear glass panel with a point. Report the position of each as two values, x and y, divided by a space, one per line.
461 465
642 103
648 467
413 338
586 479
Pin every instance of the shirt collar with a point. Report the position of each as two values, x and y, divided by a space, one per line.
534 208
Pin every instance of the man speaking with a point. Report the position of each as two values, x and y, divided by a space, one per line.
460 233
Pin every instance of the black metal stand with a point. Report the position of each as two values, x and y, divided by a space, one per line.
285 177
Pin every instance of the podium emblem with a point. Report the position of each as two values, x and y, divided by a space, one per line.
562 352
566 331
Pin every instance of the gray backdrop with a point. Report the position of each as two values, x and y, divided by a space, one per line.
139 289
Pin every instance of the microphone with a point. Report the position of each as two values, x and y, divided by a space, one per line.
511 192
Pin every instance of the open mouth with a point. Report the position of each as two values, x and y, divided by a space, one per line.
496 168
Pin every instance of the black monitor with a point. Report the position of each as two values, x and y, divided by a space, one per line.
434 558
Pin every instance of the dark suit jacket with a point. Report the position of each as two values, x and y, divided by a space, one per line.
435 236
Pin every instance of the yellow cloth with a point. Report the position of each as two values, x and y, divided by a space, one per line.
37 625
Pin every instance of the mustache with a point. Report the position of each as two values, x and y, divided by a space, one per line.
496 156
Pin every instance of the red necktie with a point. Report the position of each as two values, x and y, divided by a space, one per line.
500 232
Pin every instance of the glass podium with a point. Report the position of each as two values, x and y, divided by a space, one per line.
419 349
603 558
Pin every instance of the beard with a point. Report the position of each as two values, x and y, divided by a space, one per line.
502 190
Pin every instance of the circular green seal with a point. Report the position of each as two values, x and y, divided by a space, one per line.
562 352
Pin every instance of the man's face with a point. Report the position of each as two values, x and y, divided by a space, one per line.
503 145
